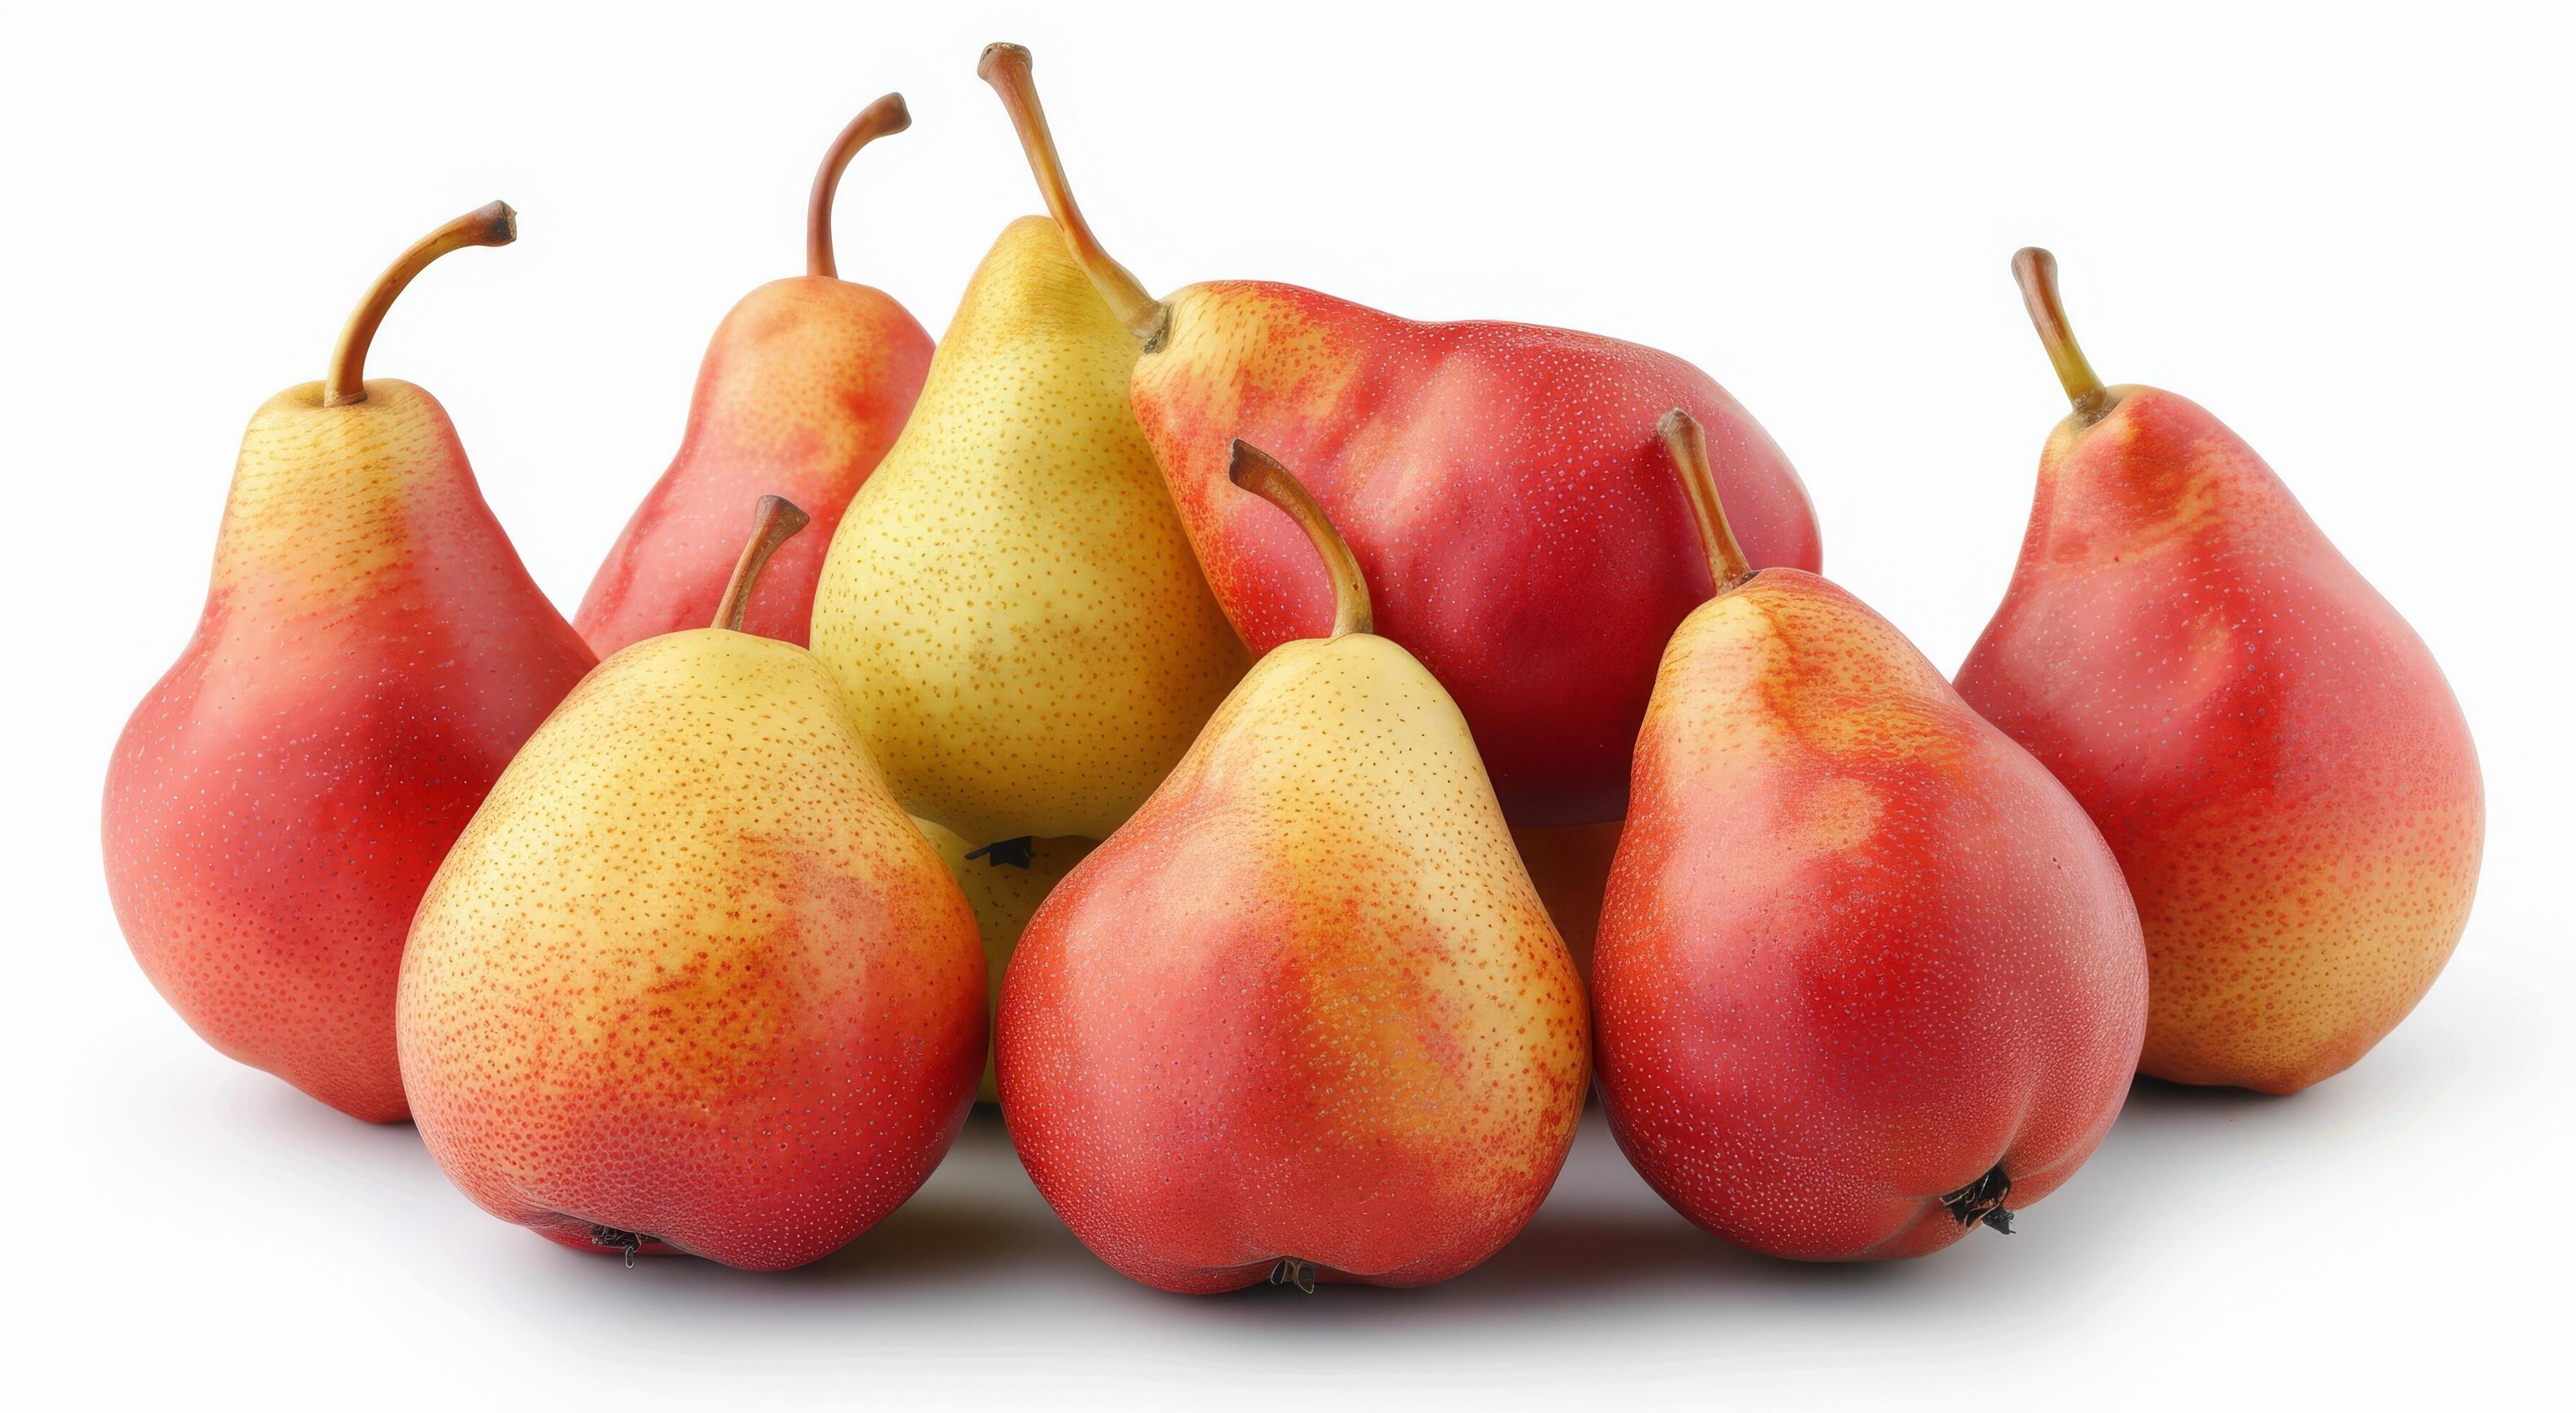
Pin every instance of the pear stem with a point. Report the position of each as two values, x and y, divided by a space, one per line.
346 383
1688 443
1006 68
2035 270
774 522
1259 472
878 119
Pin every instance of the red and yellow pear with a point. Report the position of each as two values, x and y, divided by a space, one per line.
1866 976
371 655
692 981
1303 1016
806 384
2268 747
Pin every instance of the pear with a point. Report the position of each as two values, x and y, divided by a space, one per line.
2269 748
1303 1016
692 981
1010 602
370 655
1004 883
804 387
1866 979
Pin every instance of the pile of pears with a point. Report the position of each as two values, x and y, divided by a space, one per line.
1289 756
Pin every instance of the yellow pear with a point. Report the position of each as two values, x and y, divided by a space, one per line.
1003 883
1010 603
691 981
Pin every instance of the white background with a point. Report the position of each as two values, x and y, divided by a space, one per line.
2344 231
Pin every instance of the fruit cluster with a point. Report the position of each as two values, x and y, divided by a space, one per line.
1315 748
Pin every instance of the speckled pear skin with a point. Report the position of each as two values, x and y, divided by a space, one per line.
1858 949
805 385
1304 1004
371 654
691 974
1504 491
2268 747
1570 865
1010 603
1005 896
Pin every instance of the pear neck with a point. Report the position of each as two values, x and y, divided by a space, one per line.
2035 270
346 382
1008 68
1688 444
1259 472
774 521
885 116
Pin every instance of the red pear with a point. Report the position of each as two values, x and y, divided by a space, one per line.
1499 482
1303 1015
1866 976
370 656
805 385
2270 750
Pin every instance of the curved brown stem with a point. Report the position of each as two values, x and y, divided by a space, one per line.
1006 68
1259 472
2035 270
886 115
1683 437
495 224
774 521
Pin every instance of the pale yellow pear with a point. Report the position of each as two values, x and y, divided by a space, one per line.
691 980
1010 603
1004 885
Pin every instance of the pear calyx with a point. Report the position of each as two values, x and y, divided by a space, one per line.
774 521
1259 472
1983 1201
1007 68
2035 270
495 224
1688 443
885 116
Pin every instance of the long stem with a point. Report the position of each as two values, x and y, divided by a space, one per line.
1684 438
1006 68
2035 270
774 522
1259 472
495 224
886 115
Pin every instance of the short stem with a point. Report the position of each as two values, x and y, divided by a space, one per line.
1006 68
886 115
774 522
495 224
1260 473
2035 270
1688 444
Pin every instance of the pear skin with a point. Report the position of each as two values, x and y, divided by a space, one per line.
692 981
1866 976
1004 883
371 654
1304 1016
1570 865
2271 751
804 387
1010 603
